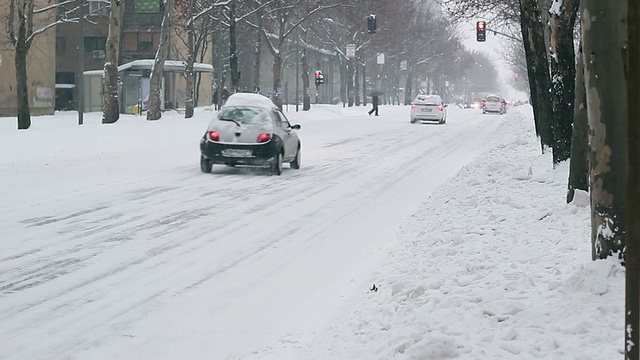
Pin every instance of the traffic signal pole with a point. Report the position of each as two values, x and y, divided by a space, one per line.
482 28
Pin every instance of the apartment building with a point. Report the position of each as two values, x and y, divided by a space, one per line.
141 27
40 67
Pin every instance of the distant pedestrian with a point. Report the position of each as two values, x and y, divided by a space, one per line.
225 95
374 103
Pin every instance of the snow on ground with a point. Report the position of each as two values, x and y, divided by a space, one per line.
115 246
494 265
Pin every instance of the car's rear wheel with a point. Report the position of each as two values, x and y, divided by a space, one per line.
295 164
205 164
276 166
413 121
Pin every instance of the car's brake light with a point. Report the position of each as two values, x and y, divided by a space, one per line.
413 106
264 137
440 107
214 136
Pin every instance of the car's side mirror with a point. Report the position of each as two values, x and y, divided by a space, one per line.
296 127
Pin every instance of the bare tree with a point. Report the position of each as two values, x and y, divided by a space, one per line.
562 59
22 31
579 161
284 20
533 35
111 109
603 40
157 71
186 17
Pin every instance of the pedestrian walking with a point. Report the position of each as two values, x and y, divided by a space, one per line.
374 103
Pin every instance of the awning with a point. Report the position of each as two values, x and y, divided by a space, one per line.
147 64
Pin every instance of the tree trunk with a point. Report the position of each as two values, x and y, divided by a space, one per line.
356 83
306 92
538 69
632 310
343 81
21 12
350 81
22 88
233 49
408 86
111 109
189 91
364 83
157 72
579 161
603 25
277 80
563 73
258 55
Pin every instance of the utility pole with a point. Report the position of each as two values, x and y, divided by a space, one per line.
80 75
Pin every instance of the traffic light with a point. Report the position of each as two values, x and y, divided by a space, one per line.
481 31
515 77
319 77
371 24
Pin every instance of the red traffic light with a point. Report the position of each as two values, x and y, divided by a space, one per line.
481 31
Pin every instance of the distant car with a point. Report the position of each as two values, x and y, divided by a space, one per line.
493 104
476 103
249 130
426 108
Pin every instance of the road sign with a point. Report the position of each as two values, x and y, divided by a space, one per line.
351 51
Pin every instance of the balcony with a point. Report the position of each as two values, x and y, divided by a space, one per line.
143 20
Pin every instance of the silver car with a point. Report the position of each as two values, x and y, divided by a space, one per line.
249 130
493 103
428 108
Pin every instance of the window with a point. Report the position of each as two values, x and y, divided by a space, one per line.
281 120
147 5
65 77
98 7
61 44
92 43
142 41
242 115
145 41
130 42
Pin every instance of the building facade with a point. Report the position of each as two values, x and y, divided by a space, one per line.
142 22
40 67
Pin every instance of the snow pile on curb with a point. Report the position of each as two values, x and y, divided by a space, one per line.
499 281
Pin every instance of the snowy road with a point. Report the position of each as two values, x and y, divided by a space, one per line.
115 245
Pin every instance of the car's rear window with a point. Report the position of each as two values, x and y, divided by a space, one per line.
493 99
244 115
425 99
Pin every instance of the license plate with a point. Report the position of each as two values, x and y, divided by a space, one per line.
236 152
426 110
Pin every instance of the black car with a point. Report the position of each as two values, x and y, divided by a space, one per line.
249 130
